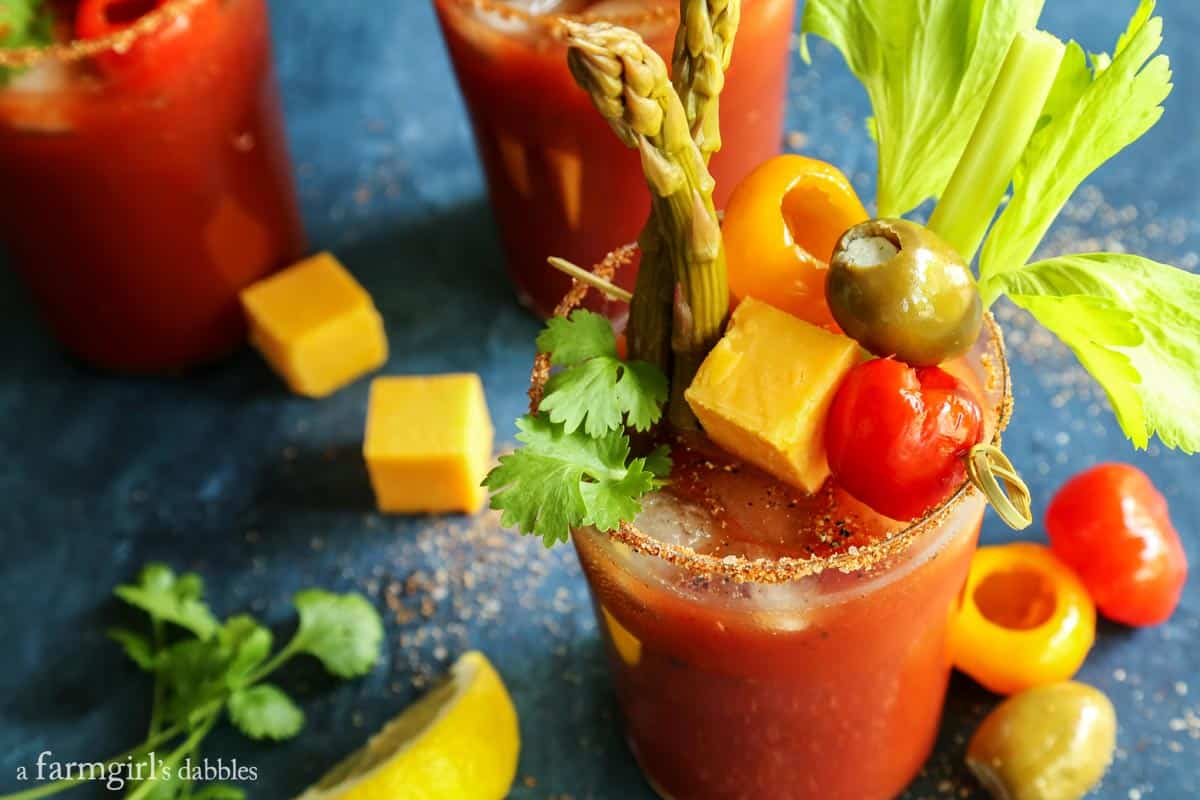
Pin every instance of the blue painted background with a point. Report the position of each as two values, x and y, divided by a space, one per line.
264 493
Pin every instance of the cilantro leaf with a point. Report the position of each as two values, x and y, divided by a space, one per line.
343 631
539 493
156 783
596 390
218 791
642 391
164 596
135 645
265 712
247 643
584 335
584 396
659 462
1092 114
928 66
560 480
1133 324
195 672
600 393
612 500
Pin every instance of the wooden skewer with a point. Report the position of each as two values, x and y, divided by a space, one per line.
583 276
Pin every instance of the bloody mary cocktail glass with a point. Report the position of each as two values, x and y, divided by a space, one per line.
560 183
146 181
768 643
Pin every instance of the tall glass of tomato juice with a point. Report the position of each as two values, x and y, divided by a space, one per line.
768 643
560 183
147 179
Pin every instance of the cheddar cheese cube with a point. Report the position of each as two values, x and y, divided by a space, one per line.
428 443
764 391
315 325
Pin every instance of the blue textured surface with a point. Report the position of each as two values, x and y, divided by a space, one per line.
264 493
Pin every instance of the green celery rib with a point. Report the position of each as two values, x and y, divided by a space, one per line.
1009 118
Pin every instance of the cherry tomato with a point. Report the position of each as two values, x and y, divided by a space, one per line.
151 55
781 225
1111 525
896 437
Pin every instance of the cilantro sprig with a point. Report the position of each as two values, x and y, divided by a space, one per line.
205 668
1132 322
574 467
24 23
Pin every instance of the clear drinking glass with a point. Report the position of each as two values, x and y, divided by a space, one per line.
560 182
793 678
147 181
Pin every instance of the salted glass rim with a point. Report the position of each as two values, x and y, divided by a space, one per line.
781 570
117 41
552 24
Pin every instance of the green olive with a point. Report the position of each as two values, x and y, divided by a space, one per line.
901 291
1052 742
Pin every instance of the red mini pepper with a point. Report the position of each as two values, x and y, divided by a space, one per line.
1112 526
896 437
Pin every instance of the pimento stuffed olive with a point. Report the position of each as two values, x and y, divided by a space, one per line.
901 291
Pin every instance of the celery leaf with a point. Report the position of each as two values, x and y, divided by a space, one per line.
1092 114
928 67
1132 322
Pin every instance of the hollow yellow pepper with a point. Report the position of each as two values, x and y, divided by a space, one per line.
1024 619
781 225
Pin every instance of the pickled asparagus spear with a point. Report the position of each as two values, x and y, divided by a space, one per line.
629 85
703 48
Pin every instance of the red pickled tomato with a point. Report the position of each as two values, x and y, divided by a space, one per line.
896 437
1112 526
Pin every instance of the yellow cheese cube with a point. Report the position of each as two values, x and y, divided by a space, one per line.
428 443
315 325
764 391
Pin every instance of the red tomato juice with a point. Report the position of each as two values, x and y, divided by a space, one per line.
560 181
827 685
139 202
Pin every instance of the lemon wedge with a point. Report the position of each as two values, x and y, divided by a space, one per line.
460 742
629 647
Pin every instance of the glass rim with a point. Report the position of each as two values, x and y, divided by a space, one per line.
552 24
118 41
782 570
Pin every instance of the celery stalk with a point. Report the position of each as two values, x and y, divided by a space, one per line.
1009 118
